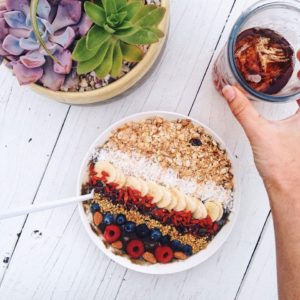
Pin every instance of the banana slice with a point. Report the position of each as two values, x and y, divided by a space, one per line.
221 210
107 167
214 210
181 203
166 199
155 191
201 211
133 183
120 179
144 188
191 203
173 203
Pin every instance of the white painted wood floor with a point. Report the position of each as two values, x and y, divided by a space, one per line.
42 143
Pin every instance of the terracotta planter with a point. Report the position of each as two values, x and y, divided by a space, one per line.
119 86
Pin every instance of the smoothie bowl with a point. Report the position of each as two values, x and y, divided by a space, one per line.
166 192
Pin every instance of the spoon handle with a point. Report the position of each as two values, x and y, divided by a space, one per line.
44 206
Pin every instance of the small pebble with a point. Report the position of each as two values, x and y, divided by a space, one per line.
84 83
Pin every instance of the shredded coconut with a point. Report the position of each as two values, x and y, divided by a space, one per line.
134 164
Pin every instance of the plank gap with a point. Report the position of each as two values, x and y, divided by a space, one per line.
253 254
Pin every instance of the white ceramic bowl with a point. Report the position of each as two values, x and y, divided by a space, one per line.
177 266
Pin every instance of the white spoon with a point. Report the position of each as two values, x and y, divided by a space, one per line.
44 206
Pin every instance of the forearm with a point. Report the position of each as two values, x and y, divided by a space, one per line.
285 205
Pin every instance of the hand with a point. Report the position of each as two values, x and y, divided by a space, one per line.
275 144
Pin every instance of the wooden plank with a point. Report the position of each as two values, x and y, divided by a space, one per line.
260 281
220 276
29 126
62 262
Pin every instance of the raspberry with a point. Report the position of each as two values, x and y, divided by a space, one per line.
112 233
135 248
164 254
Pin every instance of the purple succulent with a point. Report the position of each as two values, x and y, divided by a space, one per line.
60 23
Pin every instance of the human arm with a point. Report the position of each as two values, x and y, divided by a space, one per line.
275 146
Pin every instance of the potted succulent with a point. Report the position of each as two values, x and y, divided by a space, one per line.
81 52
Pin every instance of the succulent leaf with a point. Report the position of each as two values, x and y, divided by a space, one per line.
156 31
141 37
95 13
65 65
125 25
33 60
132 8
142 12
131 53
120 4
115 20
126 32
68 13
81 52
25 75
105 67
20 5
51 79
109 29
94 62
15 19
12 46
43 9
65 39
153 18
110 7
96 37
117 61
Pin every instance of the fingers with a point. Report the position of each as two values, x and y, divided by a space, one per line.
298 111
244 111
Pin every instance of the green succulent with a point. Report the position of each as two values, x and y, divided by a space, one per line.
120 26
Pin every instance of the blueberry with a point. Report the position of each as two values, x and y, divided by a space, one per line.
165 239
108 219
129 227
202 232
195 142
150 246
142 230
155 234
188 250
176 245
95 207
121 219
182 229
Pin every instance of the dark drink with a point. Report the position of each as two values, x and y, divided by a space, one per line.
260 56
265 59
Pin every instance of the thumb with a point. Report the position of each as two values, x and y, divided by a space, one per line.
244 111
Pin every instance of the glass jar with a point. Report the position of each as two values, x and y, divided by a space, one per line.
282 17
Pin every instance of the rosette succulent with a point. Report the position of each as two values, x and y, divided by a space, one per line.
120 28
47 61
